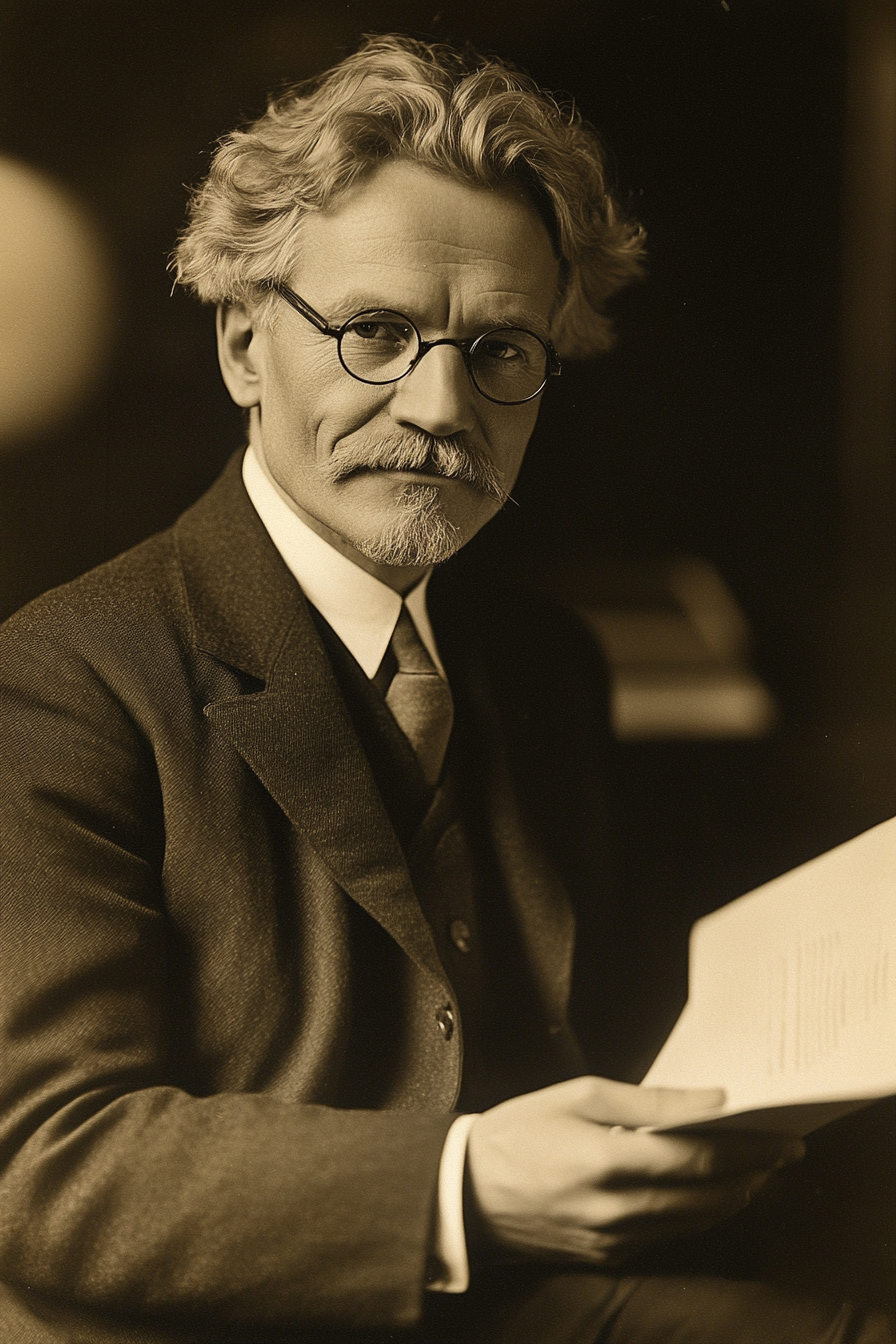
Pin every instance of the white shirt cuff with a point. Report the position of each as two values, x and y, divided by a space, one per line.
452 1269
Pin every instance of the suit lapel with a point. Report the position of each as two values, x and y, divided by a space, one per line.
296 733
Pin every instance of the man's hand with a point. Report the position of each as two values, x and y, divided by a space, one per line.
555 1176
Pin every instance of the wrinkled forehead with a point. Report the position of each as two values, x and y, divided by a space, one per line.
408 236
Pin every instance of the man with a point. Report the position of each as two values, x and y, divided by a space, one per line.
297 847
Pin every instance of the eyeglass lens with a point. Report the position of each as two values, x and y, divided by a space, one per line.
506 365
378 347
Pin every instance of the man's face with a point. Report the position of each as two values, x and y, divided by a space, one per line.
458 261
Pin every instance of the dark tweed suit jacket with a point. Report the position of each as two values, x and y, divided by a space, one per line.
224 1087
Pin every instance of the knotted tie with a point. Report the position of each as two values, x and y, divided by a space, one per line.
419 698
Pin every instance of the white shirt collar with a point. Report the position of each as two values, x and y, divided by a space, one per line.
362 610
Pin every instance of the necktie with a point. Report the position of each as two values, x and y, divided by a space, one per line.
419 698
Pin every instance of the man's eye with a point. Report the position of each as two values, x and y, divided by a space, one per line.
386 333
504 351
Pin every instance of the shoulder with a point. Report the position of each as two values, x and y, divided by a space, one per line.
122 629
131 605
130 588
88 669
102 628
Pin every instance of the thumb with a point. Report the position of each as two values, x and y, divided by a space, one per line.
611 1103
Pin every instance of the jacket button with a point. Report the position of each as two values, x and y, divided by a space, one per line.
461 935
445 1021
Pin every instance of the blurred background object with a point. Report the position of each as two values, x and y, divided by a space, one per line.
55 304
744 423
677 644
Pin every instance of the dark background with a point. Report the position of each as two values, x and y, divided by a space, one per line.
723 425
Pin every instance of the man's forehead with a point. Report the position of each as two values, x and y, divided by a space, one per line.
408 231
411 285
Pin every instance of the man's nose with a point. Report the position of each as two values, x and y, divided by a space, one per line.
437 395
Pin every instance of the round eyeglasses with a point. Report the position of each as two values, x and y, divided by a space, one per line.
508 365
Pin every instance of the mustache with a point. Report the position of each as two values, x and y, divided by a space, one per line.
455 457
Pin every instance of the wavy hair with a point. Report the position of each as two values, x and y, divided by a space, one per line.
474 118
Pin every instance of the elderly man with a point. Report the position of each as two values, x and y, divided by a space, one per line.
297 846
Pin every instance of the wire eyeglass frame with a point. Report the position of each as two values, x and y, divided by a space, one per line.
467 347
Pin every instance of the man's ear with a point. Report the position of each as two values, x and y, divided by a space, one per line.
238 354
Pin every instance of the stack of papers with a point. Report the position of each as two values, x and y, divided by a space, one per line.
792 994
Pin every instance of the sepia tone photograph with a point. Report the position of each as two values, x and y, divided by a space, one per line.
448 574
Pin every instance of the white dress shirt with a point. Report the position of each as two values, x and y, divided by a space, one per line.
363 611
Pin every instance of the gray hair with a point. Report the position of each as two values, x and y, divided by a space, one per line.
474 118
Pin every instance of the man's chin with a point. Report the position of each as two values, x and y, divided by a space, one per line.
418 533
411 543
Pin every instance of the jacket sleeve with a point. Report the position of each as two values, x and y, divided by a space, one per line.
119 1191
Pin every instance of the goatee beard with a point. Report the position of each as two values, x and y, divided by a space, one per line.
422 535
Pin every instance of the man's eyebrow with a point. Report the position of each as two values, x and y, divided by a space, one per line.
522 322
348 305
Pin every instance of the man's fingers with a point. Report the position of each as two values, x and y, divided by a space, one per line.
611 1103
572 1160
669 1105
683 1159
629 1210
672 1157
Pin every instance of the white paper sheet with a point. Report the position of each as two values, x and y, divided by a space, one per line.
792 994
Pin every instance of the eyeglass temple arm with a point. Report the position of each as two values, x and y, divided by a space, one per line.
300 305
